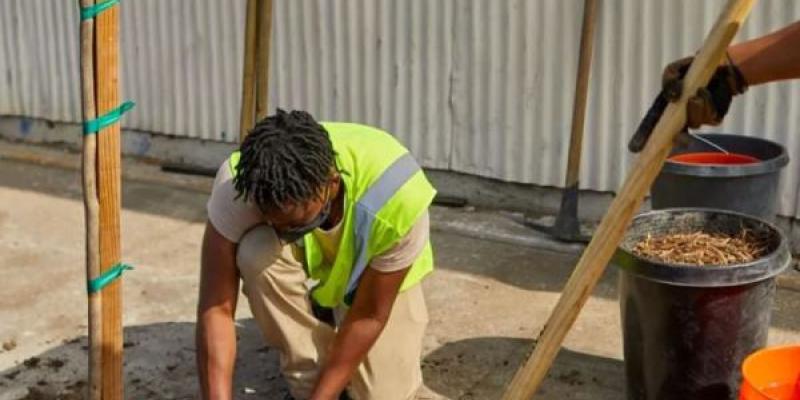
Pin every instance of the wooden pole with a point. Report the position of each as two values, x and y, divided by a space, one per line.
262 59
108 172
612 228
247 114
567 226
581 91
91 206
255 74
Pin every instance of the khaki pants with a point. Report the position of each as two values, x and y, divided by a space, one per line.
275 286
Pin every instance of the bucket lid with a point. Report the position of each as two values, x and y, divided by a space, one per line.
678 220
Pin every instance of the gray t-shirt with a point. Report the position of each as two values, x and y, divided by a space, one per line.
232 218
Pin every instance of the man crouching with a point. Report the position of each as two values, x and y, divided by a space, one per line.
326 225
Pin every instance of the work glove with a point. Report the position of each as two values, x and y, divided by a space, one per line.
707 107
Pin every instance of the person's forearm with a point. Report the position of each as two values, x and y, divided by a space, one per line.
352 343
215 338
216 351
769 58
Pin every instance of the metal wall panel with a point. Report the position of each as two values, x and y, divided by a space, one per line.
513 83
483 87
381 62
181 63
39 59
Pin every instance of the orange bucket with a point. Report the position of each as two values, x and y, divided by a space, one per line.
772 374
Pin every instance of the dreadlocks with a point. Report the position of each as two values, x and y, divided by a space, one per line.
286 158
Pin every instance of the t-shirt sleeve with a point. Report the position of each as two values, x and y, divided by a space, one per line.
230 216
407 249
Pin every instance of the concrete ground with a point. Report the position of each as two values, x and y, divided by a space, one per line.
487 299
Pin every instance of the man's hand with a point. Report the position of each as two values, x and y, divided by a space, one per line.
215 338
375 296
707 107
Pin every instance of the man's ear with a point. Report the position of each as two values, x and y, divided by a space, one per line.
335 180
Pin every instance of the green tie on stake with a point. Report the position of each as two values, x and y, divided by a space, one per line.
89 9
96 125
110 275
609 233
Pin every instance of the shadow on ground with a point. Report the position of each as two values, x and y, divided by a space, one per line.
480 368
160 364
137 196
521 266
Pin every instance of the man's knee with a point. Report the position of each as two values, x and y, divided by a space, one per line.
258 249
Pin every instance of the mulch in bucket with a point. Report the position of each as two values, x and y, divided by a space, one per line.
700 248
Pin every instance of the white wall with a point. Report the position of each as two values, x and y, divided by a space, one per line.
476 86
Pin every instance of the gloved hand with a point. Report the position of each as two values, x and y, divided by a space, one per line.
711 103
707 107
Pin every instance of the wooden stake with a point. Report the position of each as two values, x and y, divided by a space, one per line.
91 206
108 171
255 75
247 115
567 227
262 59
581 92
611 230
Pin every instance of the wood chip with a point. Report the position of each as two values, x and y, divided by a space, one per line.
703 248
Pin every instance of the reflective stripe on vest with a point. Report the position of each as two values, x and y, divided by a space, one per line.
376 196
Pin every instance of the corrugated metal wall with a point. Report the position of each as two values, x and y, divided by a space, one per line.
386 63
39 59
482 87
181 63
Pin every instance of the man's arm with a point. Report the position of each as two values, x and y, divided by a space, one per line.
363 324
769 58
215 337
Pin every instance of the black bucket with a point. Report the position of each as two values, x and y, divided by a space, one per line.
746 188
687 329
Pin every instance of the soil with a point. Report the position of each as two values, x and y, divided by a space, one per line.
572 378
55 364
9 345
73 392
